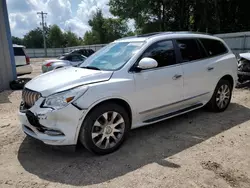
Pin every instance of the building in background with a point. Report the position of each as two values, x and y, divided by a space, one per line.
7 61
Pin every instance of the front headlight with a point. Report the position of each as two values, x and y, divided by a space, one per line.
62 99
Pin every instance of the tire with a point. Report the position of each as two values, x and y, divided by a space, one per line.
99 122
19 83
214 103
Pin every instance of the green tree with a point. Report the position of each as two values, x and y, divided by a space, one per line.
130 33
91 37
97 25
115 29
214 16
105 30
17 40
70 39
55 37
34 38
149 15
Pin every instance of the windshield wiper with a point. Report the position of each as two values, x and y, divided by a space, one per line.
91 67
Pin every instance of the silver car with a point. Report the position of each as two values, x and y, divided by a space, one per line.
63 61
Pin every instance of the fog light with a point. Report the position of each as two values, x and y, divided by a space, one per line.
53 133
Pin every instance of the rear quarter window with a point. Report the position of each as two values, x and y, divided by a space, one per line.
213 47
18 51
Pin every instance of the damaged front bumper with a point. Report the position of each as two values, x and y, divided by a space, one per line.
53 127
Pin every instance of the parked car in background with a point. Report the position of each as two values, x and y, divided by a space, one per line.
131 82
63 61
85 52
22 60
244 67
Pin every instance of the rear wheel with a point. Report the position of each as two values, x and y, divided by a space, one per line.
221 97
105 128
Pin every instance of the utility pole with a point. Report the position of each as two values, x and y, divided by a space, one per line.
43 24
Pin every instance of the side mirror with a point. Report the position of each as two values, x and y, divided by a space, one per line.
147 63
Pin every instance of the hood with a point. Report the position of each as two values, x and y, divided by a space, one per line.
245 55
66 78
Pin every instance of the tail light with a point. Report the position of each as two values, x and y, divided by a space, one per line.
48 64
27 60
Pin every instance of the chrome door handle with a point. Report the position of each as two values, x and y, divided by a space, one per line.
210 68
177 76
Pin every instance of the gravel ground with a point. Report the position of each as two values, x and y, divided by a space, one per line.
196 150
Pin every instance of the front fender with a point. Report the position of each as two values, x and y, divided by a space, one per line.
87 110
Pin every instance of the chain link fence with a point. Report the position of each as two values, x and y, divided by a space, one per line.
55 52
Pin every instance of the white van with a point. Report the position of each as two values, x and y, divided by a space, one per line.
22 60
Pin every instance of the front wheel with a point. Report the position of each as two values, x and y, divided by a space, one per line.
221 97
105 128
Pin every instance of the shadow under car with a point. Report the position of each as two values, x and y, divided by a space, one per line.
151 144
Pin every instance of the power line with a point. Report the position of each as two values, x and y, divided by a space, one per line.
43 23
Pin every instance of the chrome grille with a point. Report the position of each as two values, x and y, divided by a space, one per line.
30 97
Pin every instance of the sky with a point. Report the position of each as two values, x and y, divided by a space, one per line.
69 15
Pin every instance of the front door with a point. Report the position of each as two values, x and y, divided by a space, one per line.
160 88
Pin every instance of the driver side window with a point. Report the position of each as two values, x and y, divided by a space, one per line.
163 52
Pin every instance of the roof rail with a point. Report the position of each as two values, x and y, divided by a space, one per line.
125 38
192 32
149 34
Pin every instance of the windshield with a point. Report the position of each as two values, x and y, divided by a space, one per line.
112 56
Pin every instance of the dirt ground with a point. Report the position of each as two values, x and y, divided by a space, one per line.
196 150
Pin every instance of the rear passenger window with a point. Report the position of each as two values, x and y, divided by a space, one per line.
189 49
18 52
163 52
214 47
202 50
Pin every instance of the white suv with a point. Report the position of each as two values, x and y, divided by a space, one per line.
130 83
22 60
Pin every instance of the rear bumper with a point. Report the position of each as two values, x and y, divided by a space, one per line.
23 69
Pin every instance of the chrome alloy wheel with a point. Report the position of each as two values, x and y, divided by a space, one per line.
108 130
223 96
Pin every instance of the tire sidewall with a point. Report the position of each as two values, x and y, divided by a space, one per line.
86 129
214 104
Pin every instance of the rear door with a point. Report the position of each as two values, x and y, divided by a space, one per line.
20 57
196 76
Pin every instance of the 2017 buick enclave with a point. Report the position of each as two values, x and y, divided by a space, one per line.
131 82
